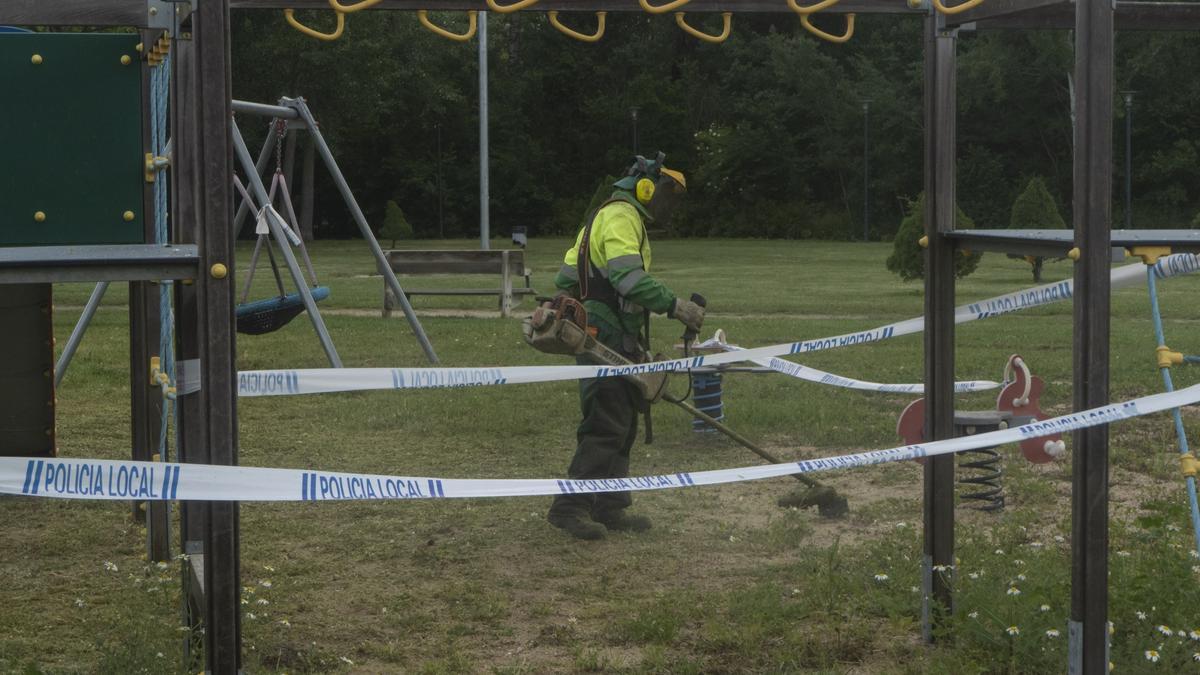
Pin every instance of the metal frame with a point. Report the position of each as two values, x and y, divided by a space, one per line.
202 208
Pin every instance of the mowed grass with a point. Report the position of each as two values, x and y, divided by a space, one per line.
725 582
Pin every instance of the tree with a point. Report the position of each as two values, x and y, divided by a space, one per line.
395 225
908 257
1035 209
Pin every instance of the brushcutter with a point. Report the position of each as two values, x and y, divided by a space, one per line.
559 326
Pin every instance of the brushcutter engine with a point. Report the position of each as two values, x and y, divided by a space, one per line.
559 326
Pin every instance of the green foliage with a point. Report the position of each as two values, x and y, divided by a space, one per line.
395 225
908 257
1035 209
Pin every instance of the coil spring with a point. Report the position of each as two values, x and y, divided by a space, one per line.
982 478
706 396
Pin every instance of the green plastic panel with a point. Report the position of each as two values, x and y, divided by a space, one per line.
70 139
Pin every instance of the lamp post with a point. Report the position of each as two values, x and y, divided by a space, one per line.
1128 95
633 112
866 108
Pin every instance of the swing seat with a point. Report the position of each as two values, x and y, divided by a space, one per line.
271 314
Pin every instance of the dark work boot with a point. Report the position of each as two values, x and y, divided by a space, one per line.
619 521
577 526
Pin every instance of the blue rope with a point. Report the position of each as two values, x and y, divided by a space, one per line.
160 96
1170 386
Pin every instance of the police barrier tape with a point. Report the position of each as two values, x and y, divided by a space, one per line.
821 377
109 479
328 380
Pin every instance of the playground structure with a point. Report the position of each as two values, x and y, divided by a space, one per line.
202 202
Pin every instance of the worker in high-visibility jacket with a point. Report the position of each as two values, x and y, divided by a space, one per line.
609 269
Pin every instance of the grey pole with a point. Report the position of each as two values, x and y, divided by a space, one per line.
866 107
633 113
1128 159
85 320
260 192
484 204
381 260
263 157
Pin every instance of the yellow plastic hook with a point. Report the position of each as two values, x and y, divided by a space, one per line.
803 11
715 39
957 8
350 9
423 17
327 37
662 9
505 9
826 36
594 37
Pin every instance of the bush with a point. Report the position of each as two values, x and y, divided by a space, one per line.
1035 209
908 258
395 225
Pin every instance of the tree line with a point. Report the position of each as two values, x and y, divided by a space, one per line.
769 126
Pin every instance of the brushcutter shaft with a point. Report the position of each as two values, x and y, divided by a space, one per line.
741 440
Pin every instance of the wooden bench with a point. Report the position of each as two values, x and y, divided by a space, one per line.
505 262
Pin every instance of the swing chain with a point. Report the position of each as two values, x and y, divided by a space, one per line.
281 129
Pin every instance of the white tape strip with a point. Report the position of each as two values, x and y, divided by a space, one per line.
108 479
821 377
327 380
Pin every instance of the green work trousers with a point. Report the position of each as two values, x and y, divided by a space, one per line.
604 438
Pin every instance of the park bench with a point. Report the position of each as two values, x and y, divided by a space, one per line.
505 262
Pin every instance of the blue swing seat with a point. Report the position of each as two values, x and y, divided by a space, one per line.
271 314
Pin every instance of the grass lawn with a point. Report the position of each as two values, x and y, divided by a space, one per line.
726 582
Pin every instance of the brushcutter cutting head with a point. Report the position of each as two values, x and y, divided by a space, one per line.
829 503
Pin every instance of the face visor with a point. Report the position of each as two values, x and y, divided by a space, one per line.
668 190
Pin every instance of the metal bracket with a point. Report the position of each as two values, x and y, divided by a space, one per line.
164 15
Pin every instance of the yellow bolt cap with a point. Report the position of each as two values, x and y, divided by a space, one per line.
36 60
219 271
1074 253
125 60
924 241
39 216
138 46
128 216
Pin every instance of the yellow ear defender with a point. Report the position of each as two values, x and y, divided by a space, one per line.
645 190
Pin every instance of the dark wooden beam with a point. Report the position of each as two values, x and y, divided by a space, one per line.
693 7
1092 220
73 13
991 9
215 305
1155 16
938 502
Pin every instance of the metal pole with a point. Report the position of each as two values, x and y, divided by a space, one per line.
866 106
484 203
260 192
263 157
633 115
1129 160
388 275
85 320
441 220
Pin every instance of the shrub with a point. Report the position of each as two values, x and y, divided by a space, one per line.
1035 209
395 225
908 258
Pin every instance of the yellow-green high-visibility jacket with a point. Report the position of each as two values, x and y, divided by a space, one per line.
618 251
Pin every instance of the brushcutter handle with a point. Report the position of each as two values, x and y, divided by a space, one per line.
688 333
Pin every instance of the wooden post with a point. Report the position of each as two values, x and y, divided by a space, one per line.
938 503
144 334
1092 219
506 300
215 306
